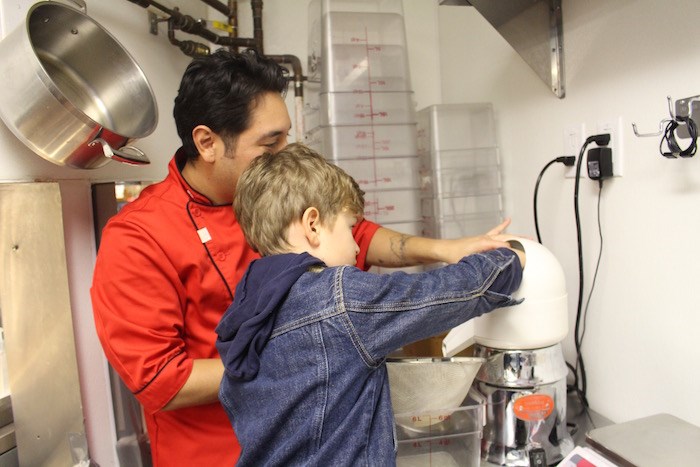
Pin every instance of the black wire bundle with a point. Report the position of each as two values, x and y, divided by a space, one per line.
669 137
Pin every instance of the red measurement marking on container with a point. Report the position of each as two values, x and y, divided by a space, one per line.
361 134
533 407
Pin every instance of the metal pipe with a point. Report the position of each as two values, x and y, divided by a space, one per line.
257 6
233 20
218 6
188 24
298 78
147 3
189 48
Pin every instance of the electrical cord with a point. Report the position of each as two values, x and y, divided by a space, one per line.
669 136
600 140
597 266
567 161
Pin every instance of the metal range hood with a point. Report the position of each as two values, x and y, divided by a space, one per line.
533 28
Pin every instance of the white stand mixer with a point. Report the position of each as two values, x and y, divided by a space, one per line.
523 381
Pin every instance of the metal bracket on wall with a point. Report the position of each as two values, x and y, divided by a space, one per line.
534 29
687 107
153 23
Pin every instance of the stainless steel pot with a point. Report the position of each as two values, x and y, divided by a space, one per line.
70 92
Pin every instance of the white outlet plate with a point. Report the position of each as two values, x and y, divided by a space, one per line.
614 127
574 137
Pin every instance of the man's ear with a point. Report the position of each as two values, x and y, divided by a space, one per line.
207 142
310 222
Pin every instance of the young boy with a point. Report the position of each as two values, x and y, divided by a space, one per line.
304 341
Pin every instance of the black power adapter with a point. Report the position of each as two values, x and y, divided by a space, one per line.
600 165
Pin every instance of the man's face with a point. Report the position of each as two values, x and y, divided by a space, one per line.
270 125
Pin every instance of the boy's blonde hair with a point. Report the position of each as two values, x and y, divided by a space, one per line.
276 189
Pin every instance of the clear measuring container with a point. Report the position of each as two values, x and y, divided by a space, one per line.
447 438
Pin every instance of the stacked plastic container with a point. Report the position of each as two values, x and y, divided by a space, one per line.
461 191
442 438
359 108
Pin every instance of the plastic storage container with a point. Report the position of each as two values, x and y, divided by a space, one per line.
448 127
395 206
364 107
460 170
358 67
450 438
359 109
364 141
442 208
461 182
383 173
463 226
462 159
363 51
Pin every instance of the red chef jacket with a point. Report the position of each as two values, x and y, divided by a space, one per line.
166 270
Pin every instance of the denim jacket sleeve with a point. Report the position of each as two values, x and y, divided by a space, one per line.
388 311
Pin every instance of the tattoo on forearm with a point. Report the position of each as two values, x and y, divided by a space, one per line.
398 247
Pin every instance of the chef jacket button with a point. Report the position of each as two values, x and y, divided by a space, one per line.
196 212
221 256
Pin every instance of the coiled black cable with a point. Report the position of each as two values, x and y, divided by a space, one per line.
669 137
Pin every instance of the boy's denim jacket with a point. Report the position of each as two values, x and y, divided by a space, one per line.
312 346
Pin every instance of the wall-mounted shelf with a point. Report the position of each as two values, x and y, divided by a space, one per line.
533 28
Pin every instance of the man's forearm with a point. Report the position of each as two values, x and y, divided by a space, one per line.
202 387
393 249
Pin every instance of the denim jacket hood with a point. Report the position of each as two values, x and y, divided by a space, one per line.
247 323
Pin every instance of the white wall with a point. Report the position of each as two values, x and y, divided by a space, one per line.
621 60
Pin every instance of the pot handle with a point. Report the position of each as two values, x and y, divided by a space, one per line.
126 154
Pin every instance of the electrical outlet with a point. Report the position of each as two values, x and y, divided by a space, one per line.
613 126
573 140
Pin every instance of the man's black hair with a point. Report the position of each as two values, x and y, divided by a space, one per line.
221 90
